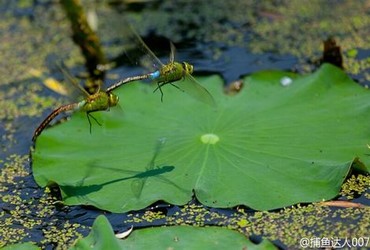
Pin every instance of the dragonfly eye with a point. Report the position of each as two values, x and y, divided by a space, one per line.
188 67
113 99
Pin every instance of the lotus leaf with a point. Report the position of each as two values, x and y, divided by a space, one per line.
283 139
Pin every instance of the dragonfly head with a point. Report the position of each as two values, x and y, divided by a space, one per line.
188 67
113 99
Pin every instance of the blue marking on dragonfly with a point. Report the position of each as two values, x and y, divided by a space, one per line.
172 73
154 75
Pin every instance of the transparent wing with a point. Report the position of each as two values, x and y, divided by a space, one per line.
135 48
136 39
68 86
193 88
173 51
151 62
50 82
188 84
68 77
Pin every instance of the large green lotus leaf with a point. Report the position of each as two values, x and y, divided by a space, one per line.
267 147
22 246
177 237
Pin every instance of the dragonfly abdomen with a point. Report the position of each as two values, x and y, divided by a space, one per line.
52 115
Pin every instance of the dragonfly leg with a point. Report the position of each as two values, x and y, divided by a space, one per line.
160 89
160 85
177 87
88 118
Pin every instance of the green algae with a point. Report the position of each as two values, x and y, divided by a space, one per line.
299 29
289 28
25 43
287 225
28 210
355 185
62 236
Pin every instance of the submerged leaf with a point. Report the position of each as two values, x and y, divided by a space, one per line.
268 146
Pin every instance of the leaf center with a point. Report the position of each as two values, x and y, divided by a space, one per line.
209 138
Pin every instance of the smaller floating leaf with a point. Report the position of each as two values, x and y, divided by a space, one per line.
22 246
176 237
100 237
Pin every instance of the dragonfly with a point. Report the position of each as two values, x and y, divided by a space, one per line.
172 72
99 101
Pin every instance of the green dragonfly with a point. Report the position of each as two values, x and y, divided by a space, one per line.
99 101
172 72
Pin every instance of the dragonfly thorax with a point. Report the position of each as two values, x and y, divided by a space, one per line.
188 68
99 101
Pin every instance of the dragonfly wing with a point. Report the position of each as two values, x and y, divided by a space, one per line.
173 51
49 81
131 37
193 88
54 63
63 69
